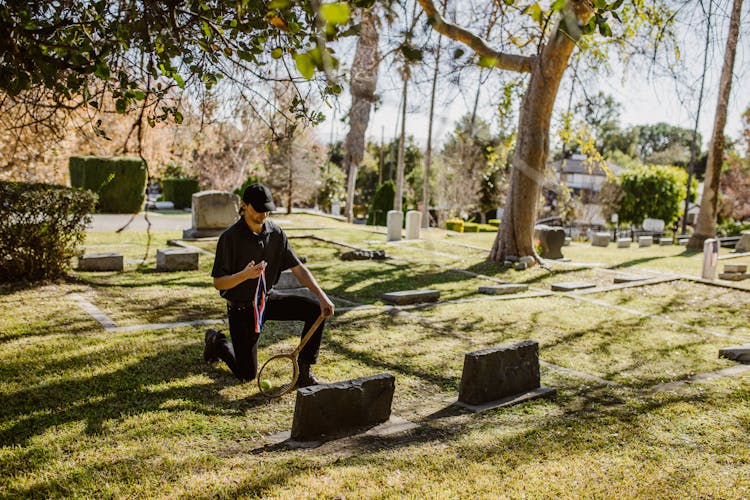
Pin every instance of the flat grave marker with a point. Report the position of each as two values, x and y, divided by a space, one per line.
569 286
406 297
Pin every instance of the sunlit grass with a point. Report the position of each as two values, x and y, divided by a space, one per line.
87 412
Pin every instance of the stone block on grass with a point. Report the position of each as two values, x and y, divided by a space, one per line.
504 289
735 268
177 259
101 262
569 286
740 353
624 242
645 241
407 297
665 242
600 239
325 411
287 280
499 373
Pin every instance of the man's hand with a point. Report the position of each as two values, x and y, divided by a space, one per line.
253 270
326 306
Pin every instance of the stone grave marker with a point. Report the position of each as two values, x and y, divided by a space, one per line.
406 297
710 258
628 278
740 353
743 245
325 411
177 259
413 224
645 241
395 221
101 262
569 286
503 289
624 242
551 239
213 212
735 272
501 376
600 239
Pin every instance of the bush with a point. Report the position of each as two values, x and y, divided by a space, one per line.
119 182
494 222
41 226
455 225
471 227
179 191
382 203
486 228
253 179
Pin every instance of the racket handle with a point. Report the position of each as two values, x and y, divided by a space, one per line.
309 334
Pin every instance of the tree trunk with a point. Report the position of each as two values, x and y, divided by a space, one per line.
706 225
428 154
399 195
515 234
363 84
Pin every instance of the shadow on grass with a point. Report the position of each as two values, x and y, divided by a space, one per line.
125 391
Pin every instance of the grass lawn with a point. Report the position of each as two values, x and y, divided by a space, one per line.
90 412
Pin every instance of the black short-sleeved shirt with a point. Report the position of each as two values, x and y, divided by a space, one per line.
238 245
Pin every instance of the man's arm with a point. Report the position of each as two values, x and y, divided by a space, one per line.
250 271
307 279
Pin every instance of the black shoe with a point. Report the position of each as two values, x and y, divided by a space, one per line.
306 377
209 350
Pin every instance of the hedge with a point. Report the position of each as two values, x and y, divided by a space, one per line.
179 191
41 227
382 203
119 182
455 225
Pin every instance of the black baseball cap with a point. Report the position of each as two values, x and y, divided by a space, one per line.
259 197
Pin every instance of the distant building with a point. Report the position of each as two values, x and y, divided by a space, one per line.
585 178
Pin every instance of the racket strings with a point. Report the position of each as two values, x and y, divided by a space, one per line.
278 376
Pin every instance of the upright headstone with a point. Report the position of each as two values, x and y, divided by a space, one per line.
330 410
743 245
490 375
413 224
710 258
600 239
336 207
213 212
551 239
394 223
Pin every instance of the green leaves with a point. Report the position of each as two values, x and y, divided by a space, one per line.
335 13
304 64
535 12
487 62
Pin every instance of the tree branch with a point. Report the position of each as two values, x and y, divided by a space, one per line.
512 62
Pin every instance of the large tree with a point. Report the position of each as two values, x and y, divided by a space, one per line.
546 68
706 224
364 80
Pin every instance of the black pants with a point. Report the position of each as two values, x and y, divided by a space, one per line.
241 355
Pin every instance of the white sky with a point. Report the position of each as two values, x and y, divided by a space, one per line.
643 101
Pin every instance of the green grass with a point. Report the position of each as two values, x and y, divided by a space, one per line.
89 413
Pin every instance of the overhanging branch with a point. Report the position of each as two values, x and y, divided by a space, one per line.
512 62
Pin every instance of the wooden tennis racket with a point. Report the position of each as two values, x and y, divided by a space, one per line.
279 373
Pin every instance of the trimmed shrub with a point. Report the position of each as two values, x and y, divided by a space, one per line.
486 228
382 203
471 227
455 225
120 183
253 179
494 222
41 227
180 191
